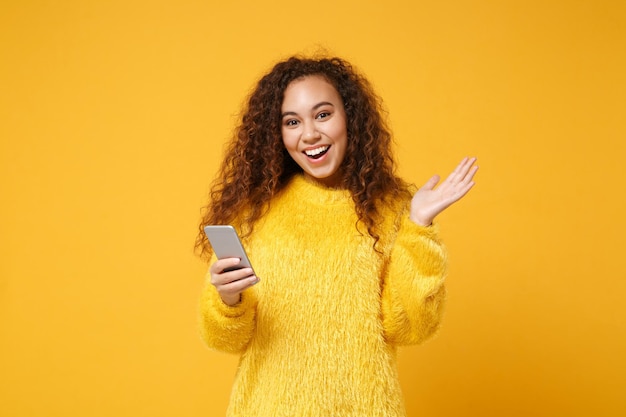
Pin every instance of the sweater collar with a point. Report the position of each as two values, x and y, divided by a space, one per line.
316 193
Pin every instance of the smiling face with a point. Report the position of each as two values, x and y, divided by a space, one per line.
314 128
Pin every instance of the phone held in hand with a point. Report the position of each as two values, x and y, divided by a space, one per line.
226 244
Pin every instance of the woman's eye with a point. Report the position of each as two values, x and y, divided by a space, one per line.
291 122
323 115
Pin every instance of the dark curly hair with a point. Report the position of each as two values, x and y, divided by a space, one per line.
242 192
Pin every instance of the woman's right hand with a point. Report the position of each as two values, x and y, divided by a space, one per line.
231 284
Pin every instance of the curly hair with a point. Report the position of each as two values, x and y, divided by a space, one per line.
241 192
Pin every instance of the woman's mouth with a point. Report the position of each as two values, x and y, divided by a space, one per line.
318 152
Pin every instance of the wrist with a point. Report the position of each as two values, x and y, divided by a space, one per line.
231 299
424 222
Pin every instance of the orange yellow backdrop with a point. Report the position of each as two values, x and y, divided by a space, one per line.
113 115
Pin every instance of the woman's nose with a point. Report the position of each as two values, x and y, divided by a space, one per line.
310 133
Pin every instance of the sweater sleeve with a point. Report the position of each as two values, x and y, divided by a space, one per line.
413 292
223 327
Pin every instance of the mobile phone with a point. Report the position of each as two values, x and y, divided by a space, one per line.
226 244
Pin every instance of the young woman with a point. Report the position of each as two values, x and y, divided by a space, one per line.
350 261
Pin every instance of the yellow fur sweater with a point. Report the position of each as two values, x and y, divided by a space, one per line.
318 334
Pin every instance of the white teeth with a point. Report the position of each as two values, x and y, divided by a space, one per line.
316 151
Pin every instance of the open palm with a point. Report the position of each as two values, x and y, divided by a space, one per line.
429 201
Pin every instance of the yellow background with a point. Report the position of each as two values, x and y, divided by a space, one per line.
113 115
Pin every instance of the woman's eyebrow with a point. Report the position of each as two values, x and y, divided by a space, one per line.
323 103
317 106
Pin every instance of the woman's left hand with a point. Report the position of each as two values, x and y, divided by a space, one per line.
428 202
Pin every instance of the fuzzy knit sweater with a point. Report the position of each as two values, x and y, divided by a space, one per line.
318 334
